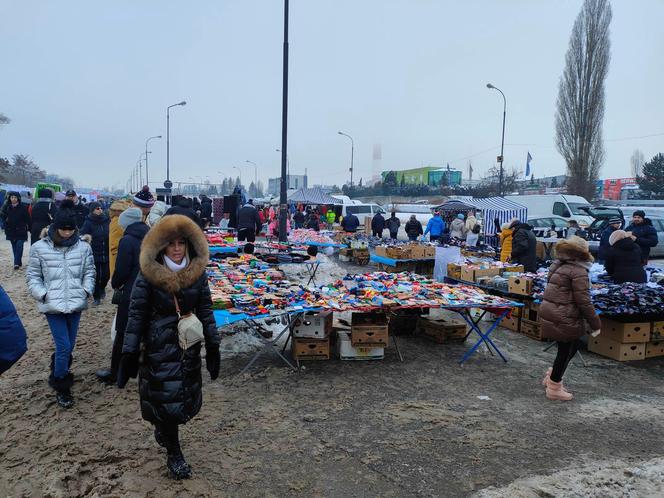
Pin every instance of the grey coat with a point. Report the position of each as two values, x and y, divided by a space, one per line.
61 278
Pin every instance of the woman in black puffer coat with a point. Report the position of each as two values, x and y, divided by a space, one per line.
96 227
623 261
173 258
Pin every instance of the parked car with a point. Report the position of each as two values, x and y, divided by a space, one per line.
569 207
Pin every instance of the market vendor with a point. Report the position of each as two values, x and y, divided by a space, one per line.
646 235
604 246
524 246
623 261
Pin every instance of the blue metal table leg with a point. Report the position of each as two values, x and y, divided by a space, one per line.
484 337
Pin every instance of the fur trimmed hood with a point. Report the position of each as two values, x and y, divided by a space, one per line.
169 228
573 249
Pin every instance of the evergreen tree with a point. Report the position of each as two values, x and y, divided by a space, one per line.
652 177
554 182
532 179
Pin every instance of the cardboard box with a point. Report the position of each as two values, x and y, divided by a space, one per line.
381 251
625 332
513 269
442 331
454 271
416 251
369 330
657 330
511 323
531 311
616 350
310 349
313 325
347 351
531 329
654 349
470 274
520 285
398 252
429 251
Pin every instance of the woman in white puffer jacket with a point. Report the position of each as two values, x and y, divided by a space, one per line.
61 277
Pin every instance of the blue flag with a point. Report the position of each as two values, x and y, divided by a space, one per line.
528 159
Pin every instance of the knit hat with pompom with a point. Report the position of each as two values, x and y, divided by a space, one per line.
144 198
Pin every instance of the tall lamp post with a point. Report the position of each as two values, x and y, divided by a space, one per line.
168 136
283 206
255 171
240 172
352 153
502 140
147 178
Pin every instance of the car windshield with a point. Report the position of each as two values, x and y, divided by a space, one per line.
576 208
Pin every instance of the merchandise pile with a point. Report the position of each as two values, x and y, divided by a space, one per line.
221 239
628 299
303 235
247 285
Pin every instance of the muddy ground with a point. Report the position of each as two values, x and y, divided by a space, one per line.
424 427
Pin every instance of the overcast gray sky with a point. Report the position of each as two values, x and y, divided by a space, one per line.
85 83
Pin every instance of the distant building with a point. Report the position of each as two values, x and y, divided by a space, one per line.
428 175
293 182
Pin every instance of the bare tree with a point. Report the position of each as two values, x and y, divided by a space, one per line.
636 161
580 105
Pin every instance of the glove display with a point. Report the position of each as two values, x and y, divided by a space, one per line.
127 369
213 360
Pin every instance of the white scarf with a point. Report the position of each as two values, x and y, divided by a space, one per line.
173 266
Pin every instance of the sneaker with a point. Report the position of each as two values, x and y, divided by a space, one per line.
65 399
16 267
178 468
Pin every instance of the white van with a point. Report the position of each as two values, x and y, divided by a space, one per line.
360 209
569 207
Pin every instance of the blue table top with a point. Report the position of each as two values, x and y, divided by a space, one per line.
393 262
222 249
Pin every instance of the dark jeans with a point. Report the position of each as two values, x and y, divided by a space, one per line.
64 328
393 235
299 224
101 279
17 250
247 234
434 238
566 351
378 233
412 237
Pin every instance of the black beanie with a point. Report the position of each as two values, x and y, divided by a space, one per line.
93 205
144 198
65 217
640 212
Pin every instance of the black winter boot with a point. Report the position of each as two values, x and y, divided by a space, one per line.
178 468
62 387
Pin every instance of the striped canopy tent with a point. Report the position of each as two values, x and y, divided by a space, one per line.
499 208
311 196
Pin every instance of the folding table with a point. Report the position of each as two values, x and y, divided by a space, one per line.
474 327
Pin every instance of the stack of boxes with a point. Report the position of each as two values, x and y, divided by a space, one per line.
367 339
628 341
311 336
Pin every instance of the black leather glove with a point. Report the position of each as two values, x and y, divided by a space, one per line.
213 360
128 368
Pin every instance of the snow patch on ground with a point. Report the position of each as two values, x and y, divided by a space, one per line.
596 480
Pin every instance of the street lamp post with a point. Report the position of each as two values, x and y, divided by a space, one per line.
147 179
352 153
240 172
502 140
168 136
255 172
283 206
